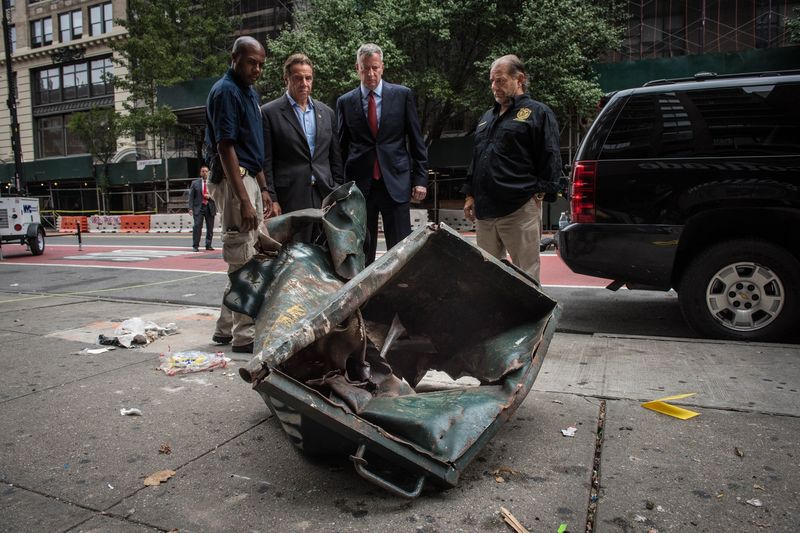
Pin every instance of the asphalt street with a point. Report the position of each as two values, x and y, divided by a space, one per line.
70 462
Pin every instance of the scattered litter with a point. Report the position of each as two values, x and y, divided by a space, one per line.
561 528
14 285
110 486
652 530
661 406
187 362
755 502
639 518
511 520
558 401
660 509
240 477
758 487
157 478
569 432
165 449
649 505
499 479
738 452
137 331
95 351
505 470
187 295
130 411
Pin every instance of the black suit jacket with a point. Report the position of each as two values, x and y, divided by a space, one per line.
196 198
288 165
399 146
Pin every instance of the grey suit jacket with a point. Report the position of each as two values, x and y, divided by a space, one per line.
196 198
288 165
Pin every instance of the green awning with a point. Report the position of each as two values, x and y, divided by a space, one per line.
57 168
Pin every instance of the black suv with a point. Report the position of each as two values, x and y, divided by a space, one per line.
694 184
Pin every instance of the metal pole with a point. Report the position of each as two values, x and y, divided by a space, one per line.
12 103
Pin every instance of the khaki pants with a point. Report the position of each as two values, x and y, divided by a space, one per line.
237 249
518 233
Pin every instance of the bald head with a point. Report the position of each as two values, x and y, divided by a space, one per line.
244 42
247 59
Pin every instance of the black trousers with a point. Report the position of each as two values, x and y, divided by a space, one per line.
197 228
396 219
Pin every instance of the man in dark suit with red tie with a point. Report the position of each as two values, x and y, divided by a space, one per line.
202 208
382 148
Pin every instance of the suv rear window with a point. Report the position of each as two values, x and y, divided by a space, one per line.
714 122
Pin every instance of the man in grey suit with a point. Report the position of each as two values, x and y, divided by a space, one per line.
202 208
302 159
382 148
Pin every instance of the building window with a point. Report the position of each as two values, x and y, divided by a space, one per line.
12 31
54 138
70 25
41 32
102 72
9 3
48 86
100 18
75 81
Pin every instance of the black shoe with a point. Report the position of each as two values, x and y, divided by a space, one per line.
244 348
209 247
222 339
195 248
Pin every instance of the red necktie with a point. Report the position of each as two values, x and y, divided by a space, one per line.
205 193
372 119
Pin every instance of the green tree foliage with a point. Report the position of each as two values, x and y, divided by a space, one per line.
793 26
169 41
98 129
558 41
442 49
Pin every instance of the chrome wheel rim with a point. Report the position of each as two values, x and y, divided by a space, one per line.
745 296
40 240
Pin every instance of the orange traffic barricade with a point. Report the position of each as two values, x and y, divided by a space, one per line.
134 223
73 223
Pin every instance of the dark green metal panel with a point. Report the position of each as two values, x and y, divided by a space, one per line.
188 94
433 302
126 172
627 74
60 168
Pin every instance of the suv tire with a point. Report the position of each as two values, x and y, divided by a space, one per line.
743 290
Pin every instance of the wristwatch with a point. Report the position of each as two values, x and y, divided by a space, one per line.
264 189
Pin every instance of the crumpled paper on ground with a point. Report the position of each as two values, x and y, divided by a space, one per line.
137 331
194 361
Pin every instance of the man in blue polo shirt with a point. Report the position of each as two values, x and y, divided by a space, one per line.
234 133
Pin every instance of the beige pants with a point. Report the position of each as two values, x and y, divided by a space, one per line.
517 233
237 249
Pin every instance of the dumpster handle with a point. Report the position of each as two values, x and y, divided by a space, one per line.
360 465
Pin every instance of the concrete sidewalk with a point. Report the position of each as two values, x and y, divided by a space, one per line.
70 462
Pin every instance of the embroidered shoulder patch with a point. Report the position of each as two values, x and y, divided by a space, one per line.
523 114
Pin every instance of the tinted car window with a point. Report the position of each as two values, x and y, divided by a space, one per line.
715 122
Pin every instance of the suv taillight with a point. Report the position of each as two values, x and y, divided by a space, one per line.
582 199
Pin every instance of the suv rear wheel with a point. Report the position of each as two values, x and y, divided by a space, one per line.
742 289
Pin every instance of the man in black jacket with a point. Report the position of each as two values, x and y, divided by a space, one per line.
203 209
515 162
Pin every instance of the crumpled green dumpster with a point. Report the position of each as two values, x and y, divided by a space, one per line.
341 351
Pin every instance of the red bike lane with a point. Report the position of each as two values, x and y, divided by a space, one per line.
179 259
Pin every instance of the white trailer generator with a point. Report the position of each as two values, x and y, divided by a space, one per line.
20 222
